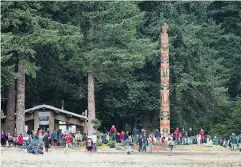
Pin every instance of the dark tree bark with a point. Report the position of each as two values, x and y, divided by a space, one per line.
20 107
91 103
10 115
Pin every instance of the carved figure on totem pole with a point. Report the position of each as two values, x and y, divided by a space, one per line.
164 53
164 37
165 68
165 96
165 82
165 116
165 126
164 77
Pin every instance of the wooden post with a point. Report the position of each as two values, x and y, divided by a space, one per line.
51 120
164 90
36 119
85 125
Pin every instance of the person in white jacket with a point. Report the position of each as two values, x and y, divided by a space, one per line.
94 139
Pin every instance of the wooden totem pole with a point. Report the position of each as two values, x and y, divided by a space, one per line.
164 90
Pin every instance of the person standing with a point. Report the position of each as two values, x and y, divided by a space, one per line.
158 136
190 136
135 134
128 142
144 143
94 140
239 142
113 132
170 145
122 138
20 140
177 134
68 138
140 143
184 137
78 138
40 137
151 141
55 138
46 142
3 138
233 142
202 133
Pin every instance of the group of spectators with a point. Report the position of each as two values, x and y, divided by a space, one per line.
45 139
9 140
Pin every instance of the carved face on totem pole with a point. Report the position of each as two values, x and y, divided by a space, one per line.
165 126
165 69
165 82
164 41
164 53
164 116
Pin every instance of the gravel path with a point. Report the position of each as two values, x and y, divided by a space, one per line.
58 158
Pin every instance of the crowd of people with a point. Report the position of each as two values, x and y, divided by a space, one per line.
40 141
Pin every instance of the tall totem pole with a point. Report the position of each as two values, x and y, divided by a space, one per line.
164 90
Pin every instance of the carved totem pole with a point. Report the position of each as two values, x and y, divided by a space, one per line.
164 90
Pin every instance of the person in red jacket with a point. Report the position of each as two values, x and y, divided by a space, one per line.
177 134
20 140
89 144
113 132
122 138
68 139
202 135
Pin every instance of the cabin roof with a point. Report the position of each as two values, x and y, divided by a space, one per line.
54 109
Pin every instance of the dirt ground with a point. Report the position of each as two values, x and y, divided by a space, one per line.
13 157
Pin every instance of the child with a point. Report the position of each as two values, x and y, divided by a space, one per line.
55 138
144 144
170 145
128 142
89 144
68 138
46 142
140 143
10 140
20 140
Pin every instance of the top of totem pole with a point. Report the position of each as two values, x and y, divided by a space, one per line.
164 28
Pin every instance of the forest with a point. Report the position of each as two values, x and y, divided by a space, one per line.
110 52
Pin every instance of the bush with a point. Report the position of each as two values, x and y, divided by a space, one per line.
99 143
82 144
111 142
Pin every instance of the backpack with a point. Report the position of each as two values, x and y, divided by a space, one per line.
55 136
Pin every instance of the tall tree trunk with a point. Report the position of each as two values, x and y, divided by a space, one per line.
20 108
10 116
91 103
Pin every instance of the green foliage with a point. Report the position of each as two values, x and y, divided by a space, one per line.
111 142
99 143
96 123
119 43
231 123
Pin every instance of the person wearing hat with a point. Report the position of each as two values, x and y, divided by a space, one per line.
89 144
233 142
